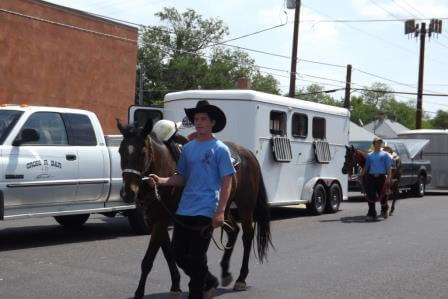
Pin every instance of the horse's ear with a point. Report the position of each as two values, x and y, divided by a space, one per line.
353 148
147 128
120 125
346 147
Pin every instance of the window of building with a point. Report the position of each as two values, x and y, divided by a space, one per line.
80 130
299 125
49 126
319 129
277 123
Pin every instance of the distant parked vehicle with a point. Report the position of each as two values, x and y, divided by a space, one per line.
416 172
436 152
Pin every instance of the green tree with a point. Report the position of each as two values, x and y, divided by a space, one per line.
315 93
440 121
178 56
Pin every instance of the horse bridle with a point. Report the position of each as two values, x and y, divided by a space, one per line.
145 171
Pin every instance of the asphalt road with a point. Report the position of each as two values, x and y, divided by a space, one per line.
329 256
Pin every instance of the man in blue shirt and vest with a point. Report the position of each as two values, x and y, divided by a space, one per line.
205 170
378 172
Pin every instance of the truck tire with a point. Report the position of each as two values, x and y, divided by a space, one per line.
72 220
334 199
418 189
137 222
318 201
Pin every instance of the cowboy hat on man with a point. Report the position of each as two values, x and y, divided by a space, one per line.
214 112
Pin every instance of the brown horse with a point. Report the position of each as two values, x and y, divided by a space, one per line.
355 157
142 153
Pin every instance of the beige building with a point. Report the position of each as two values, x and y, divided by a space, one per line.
57 56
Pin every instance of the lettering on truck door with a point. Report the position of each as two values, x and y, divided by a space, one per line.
42 172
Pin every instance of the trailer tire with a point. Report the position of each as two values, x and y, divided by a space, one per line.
72 220
137 222
334 198
419 187
318 200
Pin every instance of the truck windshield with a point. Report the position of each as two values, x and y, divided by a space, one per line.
8 119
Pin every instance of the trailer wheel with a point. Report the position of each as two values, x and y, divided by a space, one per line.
334 198
419 188
137 222
72 220
318 201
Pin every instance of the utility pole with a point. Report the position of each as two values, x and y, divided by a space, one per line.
435 27
348 86
292 81
140 84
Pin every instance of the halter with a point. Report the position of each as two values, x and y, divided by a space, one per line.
145 171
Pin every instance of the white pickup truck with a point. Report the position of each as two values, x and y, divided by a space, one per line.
57 162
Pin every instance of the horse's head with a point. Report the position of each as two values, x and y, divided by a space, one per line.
350 160
134 159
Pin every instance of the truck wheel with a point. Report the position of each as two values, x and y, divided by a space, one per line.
137 222
72 220
334 198
419 188
318 201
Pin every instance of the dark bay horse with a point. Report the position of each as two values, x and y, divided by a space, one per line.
355 157
142 153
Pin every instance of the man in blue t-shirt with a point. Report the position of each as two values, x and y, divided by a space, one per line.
205 170
378 171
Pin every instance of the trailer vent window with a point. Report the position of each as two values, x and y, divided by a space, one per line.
319 131
322 151
278 123
281 148
299 125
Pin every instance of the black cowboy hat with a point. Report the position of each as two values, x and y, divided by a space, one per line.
214 112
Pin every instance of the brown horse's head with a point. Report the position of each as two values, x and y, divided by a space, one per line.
134 160
352 158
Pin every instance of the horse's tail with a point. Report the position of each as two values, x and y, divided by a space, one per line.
262 219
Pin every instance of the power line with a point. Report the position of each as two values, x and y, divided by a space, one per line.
401 92
388 12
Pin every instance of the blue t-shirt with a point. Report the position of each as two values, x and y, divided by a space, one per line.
378 162
203 164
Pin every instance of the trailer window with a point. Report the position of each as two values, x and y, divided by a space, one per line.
278 123
299 125
80 130
49 126
319 130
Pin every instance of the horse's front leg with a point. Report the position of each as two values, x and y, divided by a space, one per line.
169 257
232 234
148 260
248 236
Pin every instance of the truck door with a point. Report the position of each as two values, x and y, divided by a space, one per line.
42 172
141 114
92 158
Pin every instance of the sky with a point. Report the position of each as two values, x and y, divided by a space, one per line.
377 47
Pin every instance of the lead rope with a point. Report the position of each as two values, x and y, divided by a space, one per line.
205 230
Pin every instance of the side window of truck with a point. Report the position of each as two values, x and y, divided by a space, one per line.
299 125
319 128
80 130
277 125
402 152
49 126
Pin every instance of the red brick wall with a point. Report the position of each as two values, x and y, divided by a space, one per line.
48 64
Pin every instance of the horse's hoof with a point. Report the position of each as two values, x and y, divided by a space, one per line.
225 281
240 286
175 294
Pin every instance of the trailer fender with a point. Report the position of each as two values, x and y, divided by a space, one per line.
308 188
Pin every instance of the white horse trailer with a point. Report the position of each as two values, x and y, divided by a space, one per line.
300 145
436 151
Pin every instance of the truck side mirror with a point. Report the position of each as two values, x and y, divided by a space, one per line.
27 135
